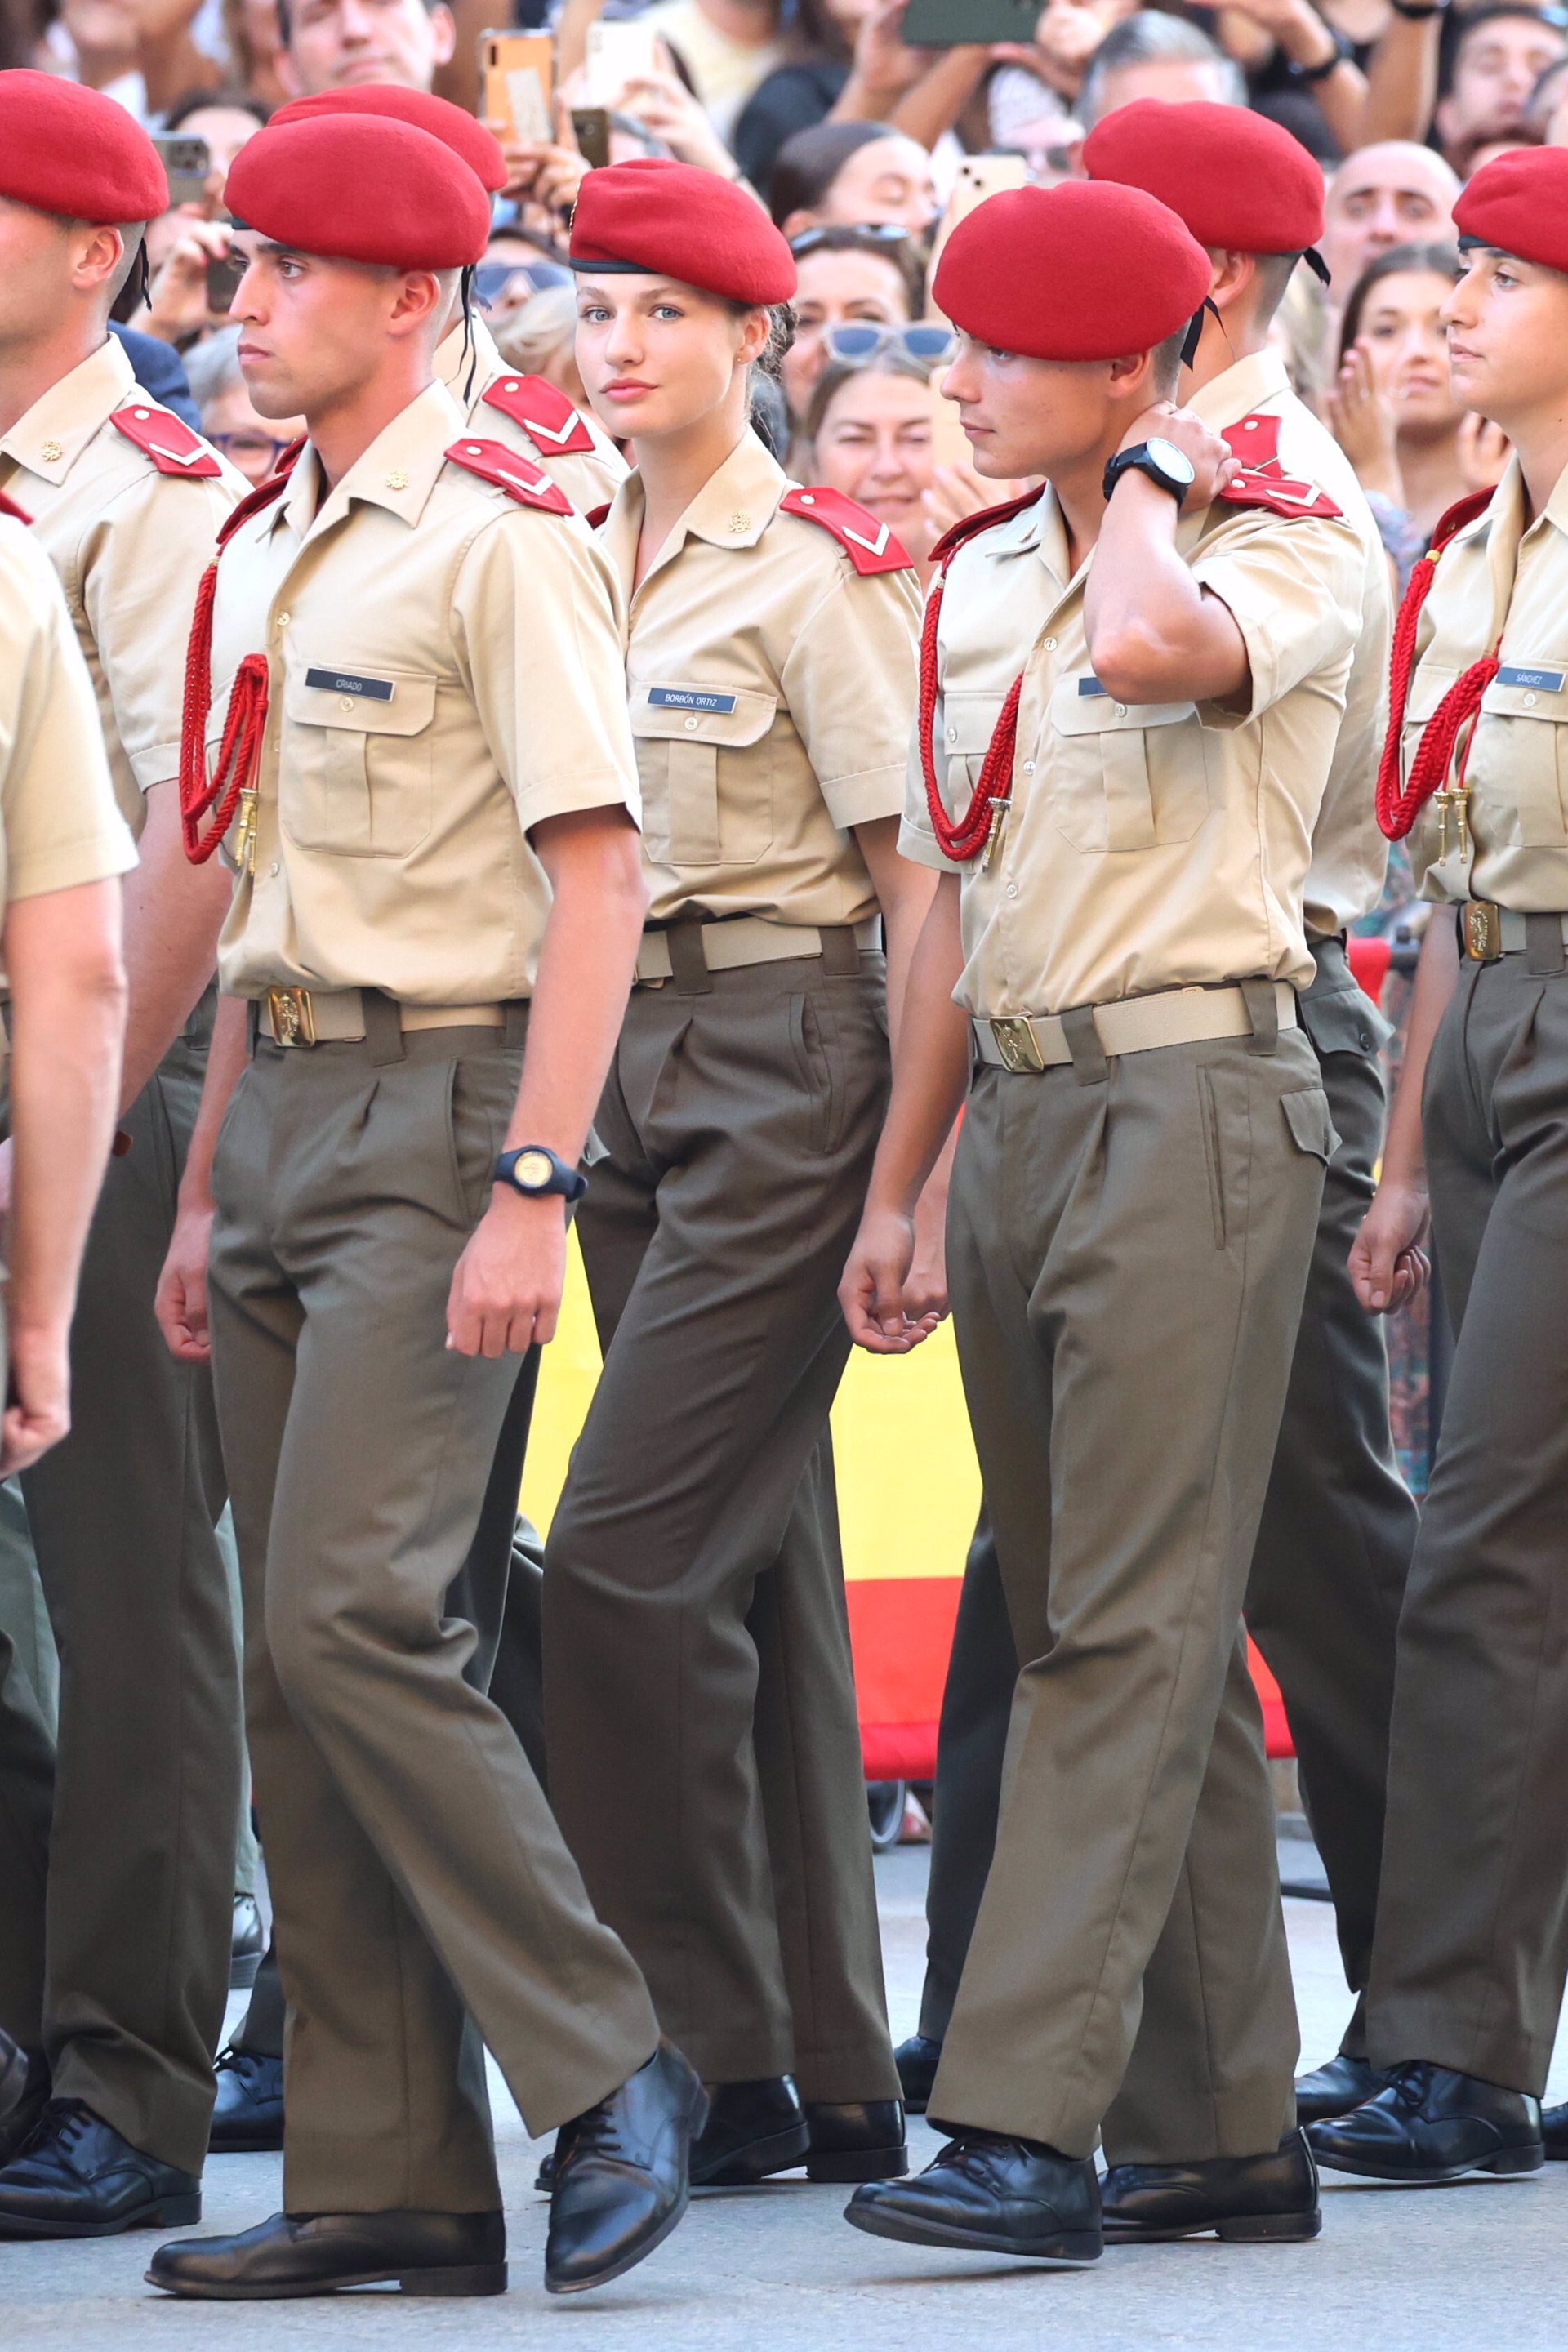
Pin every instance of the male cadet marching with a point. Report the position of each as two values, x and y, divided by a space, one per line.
405 681
1117 939
1332 1552
1471 1946
63 848
496 1589
115 1925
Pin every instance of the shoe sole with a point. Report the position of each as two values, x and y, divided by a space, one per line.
696 2117
847 2167
1238 2228
1528 2159
169 2213
1070 2249
784 2151
477 2278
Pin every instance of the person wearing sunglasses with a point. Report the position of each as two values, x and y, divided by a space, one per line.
846 276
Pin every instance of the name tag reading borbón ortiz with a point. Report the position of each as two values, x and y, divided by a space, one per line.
334 681
692 698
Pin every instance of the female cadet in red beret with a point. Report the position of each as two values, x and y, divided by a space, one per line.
1471 1944
698 1698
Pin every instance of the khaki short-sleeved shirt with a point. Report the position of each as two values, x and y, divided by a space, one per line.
59 822
588 478
445 671
1149 846
1350 855
130 545
771 689
1501 587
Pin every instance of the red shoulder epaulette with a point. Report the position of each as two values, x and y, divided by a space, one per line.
492 461
952 541
1263 481
1397 811
171 445
597 517
544 412
9 507
870 544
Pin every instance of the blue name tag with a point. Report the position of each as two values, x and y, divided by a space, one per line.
1545 681
690 697
333 681
1088 685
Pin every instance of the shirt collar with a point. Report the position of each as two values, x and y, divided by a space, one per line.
399 471
51 436
1556 508
1247 385
732 509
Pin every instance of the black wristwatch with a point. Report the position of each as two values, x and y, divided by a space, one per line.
1344 53
535 1169
1161 460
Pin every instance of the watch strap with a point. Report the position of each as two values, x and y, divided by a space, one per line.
569 1182
1138 461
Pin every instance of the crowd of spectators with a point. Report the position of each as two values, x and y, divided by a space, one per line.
856 141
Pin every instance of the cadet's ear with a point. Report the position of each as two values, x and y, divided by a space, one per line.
420 297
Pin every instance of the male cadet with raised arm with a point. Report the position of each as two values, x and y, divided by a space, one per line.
406 725
1116 943
117 1869
498 1588
1322 1598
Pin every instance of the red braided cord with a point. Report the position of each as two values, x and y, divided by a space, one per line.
1397 812
1459 706
967 838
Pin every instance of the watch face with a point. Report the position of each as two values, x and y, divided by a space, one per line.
1172 461
533 1171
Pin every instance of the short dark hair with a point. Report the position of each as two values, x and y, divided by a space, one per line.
239 101
902 254
806 165
1436 260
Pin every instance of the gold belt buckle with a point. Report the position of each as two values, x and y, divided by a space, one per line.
291 1016
1015 1043
1483 930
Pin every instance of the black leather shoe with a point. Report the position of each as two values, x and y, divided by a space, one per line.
994 2194
247 1943
77 2178
320 2253
28 2089
917 2061
1554 2134
1432 2125
622 2174
14 2071
248 2112
1336 2089
1272 2197
752 2129
859 2141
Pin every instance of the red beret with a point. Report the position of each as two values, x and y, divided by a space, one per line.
1083 271
674 220
1519 203
64 149
1235 179
358 187
479 149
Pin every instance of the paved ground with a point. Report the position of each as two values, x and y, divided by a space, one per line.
774 2269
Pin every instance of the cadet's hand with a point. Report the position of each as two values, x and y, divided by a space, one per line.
925 1286
1388 1264
38 1413
875 1294
506 1289
181 1301
1214 464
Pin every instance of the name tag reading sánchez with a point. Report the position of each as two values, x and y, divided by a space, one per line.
1544 681
692 698
333 681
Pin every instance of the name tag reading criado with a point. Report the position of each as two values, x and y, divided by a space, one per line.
1544 681
1088 685
692 698
333 681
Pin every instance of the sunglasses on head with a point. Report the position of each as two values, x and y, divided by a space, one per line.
871 233
492 279
857 340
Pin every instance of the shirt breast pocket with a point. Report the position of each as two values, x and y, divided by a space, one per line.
705 761
356 771
1518 757
1125 775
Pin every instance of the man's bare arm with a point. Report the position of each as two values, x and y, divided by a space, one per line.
173 913
62 955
